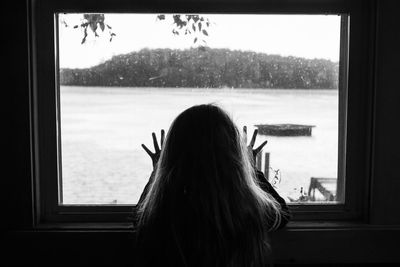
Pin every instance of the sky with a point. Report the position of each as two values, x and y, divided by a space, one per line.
308 36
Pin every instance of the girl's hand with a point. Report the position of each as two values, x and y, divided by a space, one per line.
253 152
156 155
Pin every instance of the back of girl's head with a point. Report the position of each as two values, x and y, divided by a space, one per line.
204 198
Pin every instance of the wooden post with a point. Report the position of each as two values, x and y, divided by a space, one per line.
266 166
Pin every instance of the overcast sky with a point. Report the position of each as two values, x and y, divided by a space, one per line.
309 36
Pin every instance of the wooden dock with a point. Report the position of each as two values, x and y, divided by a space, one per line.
326 186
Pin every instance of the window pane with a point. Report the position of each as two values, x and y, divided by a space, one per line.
124 76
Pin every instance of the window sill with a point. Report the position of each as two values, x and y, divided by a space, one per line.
85 226
290 227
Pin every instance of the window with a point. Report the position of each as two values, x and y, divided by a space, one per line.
77 130
116 89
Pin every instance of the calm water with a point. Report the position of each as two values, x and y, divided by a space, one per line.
103 129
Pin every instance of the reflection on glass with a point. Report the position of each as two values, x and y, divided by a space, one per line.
123 76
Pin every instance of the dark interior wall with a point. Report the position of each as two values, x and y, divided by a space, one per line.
376 242
16 178
386 184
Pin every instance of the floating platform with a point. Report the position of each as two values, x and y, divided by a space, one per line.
285 129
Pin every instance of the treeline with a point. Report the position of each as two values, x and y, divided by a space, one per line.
206 68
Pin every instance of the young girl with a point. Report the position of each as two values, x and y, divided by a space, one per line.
205 204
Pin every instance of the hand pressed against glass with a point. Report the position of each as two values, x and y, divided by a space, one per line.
253 152
156 155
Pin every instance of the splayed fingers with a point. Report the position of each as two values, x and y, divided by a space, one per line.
155 156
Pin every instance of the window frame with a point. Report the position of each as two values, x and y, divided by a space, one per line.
44 111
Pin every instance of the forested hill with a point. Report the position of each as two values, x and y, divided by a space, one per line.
206 67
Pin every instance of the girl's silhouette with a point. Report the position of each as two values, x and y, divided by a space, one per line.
205 203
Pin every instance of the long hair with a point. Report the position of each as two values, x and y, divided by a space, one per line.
204 206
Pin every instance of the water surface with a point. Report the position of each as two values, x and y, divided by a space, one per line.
103 129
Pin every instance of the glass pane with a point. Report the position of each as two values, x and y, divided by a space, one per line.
123 76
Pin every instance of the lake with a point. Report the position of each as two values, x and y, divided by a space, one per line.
102 129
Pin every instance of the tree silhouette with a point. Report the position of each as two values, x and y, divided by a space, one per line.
206 68
195 25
